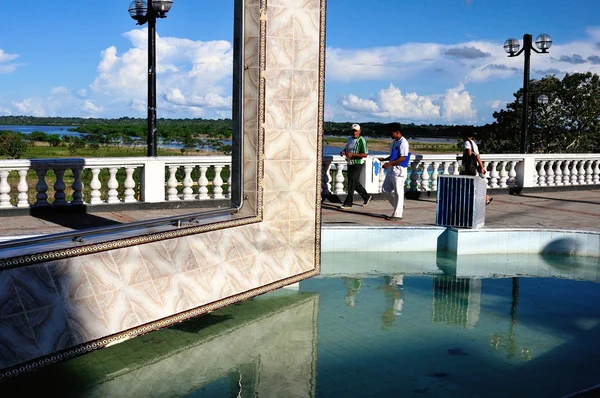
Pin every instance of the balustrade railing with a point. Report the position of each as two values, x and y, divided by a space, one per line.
94 181
502 171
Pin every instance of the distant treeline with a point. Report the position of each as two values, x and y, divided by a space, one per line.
411 130
176 129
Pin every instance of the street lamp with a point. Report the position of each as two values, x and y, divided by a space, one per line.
511 46
143 12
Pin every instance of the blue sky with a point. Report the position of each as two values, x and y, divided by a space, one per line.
418 61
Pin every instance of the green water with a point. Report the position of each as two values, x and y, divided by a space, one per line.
358 335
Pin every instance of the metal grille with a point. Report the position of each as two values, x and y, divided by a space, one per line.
461 201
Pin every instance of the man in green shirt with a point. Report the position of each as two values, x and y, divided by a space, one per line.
355 151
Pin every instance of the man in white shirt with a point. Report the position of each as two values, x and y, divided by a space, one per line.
395 178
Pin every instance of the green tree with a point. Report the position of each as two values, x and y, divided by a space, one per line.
12 145
570 122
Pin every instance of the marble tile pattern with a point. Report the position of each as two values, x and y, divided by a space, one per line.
49 308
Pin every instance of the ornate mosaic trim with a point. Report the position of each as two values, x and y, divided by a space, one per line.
149 327
320 123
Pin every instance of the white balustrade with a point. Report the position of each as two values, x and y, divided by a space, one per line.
187 177
504 171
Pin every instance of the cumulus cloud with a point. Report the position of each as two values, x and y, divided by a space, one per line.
494 104
91 108
30 106
6 62
190 74
466 52
455 105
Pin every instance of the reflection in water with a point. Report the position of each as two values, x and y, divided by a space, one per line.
354 285
511 343
456 301
226 353
315 343
392 290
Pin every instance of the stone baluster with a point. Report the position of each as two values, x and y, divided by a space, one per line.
414 176
424 183
581 172
203 184
446 168
455 168
558 174
503 181
4 190
23 189
550 173
188 192
589 172
434 176
172 183
59 187
596 177
493 174
542 173
228 195
113 184
77 187
339 179
95 185
567 173
218 183
326 179
574 172
129 185
41 198
512 174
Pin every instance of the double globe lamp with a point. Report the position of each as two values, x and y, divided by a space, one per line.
513 48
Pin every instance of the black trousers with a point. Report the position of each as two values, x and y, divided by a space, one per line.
354 184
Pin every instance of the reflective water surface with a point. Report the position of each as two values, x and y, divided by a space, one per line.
410 331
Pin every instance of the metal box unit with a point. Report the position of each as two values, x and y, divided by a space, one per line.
461 201
369 178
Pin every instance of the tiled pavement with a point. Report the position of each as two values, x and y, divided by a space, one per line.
571 210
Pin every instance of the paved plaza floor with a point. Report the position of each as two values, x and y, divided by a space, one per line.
568 210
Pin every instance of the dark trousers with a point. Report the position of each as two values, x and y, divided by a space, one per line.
354 184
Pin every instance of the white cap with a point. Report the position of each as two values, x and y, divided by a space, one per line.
356 126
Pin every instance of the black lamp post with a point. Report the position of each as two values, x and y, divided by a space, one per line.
511 46
143 12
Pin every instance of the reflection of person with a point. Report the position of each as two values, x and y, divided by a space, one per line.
393 185
472 161
355 151
393 296
354 285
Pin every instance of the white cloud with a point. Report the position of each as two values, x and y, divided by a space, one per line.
30 106
390 103
90 107
190 74
454 106
60 90
457 105
494 104
6 64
